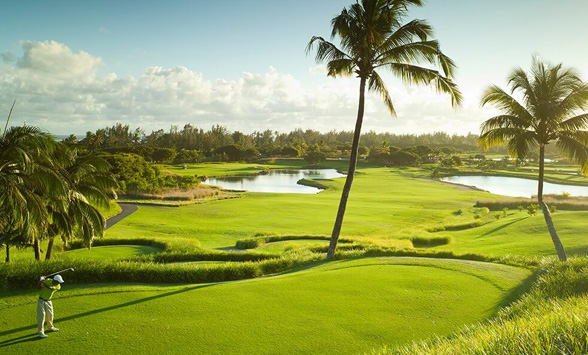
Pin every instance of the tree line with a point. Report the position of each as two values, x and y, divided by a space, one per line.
193 144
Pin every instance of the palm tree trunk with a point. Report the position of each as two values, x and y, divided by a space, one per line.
561 253
7 253
350 171
37 248
49 248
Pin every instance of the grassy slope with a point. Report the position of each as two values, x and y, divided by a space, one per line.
346 307
384 203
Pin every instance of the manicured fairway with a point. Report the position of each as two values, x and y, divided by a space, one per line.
349 306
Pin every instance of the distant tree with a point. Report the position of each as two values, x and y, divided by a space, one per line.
373 36
403 158
315 157
289 151
363 150
164 155
553 98
233 152
188 156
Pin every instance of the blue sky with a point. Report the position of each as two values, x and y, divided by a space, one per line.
75 66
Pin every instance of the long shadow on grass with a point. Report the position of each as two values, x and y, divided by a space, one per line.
502 227
517 292
33 337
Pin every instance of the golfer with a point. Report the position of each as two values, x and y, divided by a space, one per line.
48 288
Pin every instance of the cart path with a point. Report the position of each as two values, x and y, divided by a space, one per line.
127 209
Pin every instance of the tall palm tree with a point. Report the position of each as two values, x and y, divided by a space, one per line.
552 100
373 36
89 184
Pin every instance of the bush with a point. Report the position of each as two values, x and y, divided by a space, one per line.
532 209
429 242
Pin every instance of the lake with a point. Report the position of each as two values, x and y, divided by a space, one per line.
515 187
277 181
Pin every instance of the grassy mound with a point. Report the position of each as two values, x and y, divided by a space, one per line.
365 302
551 319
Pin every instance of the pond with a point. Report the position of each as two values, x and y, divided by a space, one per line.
516 187
277 181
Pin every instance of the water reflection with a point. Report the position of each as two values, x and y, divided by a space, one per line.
277 181
516 187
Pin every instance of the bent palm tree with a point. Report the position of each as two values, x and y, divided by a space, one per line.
552 98
372 37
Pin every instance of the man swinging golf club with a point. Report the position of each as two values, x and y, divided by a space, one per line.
48 287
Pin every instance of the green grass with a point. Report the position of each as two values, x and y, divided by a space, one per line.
111 252
362 303
347 306
552 318
385 204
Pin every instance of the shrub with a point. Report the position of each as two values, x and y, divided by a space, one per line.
428 242
505 211
532 209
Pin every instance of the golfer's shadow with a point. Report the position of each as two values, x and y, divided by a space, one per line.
35 336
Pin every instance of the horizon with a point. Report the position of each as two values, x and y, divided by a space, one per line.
77 67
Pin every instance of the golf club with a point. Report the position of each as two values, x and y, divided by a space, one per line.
59 272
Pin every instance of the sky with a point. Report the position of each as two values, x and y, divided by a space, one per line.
76 66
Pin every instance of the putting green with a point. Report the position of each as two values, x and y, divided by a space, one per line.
349 306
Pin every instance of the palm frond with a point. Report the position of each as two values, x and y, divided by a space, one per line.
503 101
575 149
499 136
518 146
376 84
412 74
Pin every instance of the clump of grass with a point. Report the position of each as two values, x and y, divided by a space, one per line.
196 193
430 241
261 239
561 202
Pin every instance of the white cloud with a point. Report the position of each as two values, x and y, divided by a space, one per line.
61 91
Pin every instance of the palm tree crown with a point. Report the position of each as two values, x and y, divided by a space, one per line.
373 36
552 97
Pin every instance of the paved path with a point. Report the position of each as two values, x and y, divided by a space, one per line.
127 209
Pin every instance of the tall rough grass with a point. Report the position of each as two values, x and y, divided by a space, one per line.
561 202
551 319
25 274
